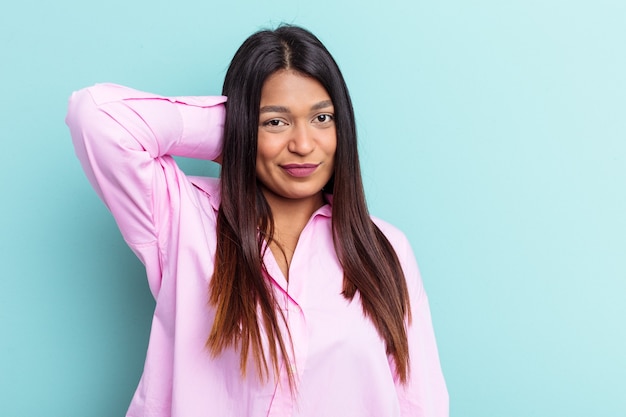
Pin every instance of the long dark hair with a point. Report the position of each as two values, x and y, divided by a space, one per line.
239 290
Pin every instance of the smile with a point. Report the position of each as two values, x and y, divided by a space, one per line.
300 170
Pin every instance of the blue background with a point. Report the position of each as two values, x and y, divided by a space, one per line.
492 132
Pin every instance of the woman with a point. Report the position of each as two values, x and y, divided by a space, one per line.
276 293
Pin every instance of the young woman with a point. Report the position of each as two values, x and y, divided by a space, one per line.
276 293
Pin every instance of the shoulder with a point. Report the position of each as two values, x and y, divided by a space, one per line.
405 254
395 236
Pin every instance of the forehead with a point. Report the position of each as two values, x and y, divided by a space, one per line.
289 88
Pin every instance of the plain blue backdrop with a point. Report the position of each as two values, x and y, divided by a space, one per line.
492 132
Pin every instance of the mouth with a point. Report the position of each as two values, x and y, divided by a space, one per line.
299 170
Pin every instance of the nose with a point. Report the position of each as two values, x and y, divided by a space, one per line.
302 141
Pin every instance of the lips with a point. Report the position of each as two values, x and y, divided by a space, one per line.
300 170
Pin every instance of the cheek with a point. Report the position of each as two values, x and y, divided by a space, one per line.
331 144
261 149
266 152
271 145
262 155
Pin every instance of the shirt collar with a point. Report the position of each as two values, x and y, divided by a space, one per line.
211 186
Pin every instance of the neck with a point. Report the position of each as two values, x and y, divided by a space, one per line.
291 215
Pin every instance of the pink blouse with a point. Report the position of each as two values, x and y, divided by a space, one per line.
125 140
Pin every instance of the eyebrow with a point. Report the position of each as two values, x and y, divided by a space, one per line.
282 109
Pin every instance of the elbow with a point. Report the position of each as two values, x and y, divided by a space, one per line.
84 120
80 109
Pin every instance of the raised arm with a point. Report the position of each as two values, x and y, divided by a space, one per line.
125 140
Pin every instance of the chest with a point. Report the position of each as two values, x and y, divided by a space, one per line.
321 321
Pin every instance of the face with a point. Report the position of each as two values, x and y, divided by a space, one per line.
297 137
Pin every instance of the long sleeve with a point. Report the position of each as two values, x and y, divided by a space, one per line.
426 394
125 140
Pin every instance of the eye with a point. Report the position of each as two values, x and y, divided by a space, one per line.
323 118
274 123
